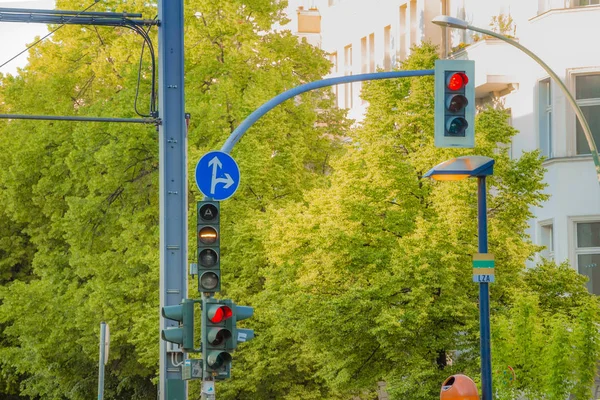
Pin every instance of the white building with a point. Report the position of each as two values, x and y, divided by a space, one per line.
361 35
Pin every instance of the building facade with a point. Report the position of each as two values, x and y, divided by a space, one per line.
361 36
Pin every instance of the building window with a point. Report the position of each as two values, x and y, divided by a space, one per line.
364 60
333 57
545 115
387 48
587 252
587 94
372 52
348 94
582 3
547 240
403 23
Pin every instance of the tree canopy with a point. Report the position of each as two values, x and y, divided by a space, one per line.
358 268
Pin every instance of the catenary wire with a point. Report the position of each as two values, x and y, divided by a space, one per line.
49 33
146 37
147 40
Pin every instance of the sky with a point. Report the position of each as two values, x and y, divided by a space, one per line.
14 37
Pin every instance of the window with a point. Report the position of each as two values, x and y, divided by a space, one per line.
545 115
348 94
547 240
367 53
587 94
363 55
387 48
372 52
587 252
582 3
333 57
403 33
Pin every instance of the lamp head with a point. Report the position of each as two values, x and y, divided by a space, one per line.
462 168
450 22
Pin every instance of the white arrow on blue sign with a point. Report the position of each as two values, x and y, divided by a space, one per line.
217 175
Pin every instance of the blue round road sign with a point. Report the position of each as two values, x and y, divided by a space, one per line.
217 175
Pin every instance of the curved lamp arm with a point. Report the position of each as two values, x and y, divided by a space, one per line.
452 22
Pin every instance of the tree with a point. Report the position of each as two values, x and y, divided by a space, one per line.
81 200
373 272
548 336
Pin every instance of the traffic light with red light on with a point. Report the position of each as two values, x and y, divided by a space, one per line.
220 334
454 103
217 337
209 255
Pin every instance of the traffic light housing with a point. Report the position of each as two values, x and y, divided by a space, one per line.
209 255
220 334
183 335
454 103
217 336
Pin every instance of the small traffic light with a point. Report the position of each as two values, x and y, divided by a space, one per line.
209 256
454 103
183 335
217 336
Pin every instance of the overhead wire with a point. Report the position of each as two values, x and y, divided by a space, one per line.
49 33
146 37
143 33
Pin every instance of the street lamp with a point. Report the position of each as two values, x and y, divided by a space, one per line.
478 167
451 22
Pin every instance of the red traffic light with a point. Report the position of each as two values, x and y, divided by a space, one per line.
221 314
457 81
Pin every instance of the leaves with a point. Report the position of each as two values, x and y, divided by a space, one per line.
358 269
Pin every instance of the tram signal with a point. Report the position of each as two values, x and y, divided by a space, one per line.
454 103
208 235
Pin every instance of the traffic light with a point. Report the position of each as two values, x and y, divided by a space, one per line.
217 336
209 256
454 103
220 334
183 335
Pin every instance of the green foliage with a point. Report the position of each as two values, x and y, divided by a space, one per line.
358 269
375 268
549 336
79 224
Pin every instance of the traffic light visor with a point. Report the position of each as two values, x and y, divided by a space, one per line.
208 212
221 314
208 258
457 102
218 336
209 280
457 81
208 235
457 126
217 360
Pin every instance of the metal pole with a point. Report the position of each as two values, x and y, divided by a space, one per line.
172 183
484 295
101 361
208 387
238 132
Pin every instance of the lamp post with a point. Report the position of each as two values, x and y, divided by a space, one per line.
451 22
478 167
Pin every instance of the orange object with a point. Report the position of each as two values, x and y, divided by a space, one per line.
459 387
